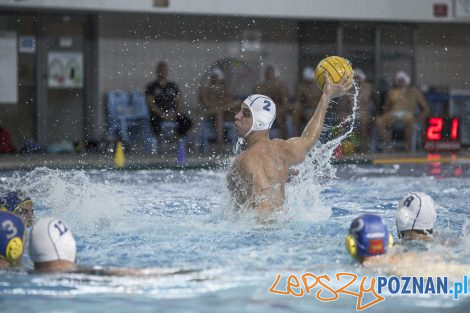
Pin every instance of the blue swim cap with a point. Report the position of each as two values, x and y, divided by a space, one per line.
12 200
12 236
368 236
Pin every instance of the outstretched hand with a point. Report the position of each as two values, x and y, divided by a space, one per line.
334 90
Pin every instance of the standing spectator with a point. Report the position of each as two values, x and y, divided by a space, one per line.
401 104
216 99
164 102
307 96
275 89
6 144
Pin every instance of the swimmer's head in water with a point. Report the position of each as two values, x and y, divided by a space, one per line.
52 240
18 203
415 211
12 200
12 236
368 236
263 110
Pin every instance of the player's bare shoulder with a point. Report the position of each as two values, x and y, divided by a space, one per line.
283 146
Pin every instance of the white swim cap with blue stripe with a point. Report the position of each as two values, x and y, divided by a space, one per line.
263 110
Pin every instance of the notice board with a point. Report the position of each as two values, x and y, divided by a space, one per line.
8 67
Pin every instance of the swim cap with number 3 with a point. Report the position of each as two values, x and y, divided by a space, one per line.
12 235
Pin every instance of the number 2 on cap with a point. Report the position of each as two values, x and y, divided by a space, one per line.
268 104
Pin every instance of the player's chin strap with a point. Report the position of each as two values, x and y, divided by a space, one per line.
241 142
240 145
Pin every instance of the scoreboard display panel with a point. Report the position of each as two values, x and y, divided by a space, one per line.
442 134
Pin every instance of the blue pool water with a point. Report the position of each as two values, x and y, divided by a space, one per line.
202 257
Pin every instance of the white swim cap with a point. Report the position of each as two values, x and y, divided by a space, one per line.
51 240
416 211
308 74
263 110
402 75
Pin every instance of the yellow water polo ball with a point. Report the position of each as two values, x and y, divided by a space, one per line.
335 66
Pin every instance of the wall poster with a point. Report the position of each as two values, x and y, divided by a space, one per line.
65 69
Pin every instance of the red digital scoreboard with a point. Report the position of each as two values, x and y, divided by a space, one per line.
442 134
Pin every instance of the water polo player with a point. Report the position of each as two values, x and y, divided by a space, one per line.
258 175
18 203
368 237
52 246
415 216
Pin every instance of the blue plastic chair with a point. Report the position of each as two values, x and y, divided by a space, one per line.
117 105
129 118
138 117
208 133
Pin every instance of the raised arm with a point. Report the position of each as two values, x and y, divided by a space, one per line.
299 146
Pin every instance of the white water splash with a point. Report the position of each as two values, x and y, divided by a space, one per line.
316 172
72 196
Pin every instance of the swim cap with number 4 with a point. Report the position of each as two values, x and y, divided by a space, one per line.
52 240
12 235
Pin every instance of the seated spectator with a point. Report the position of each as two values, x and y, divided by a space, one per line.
401 104
20 204
164 103
12 236
275 89
216 101
307 96
6 143
364 100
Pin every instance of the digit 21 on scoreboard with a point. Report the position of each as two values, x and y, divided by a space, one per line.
442 134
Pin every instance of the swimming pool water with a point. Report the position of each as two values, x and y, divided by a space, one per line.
202 257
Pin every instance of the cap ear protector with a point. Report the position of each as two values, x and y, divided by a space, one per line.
14 249
351 245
